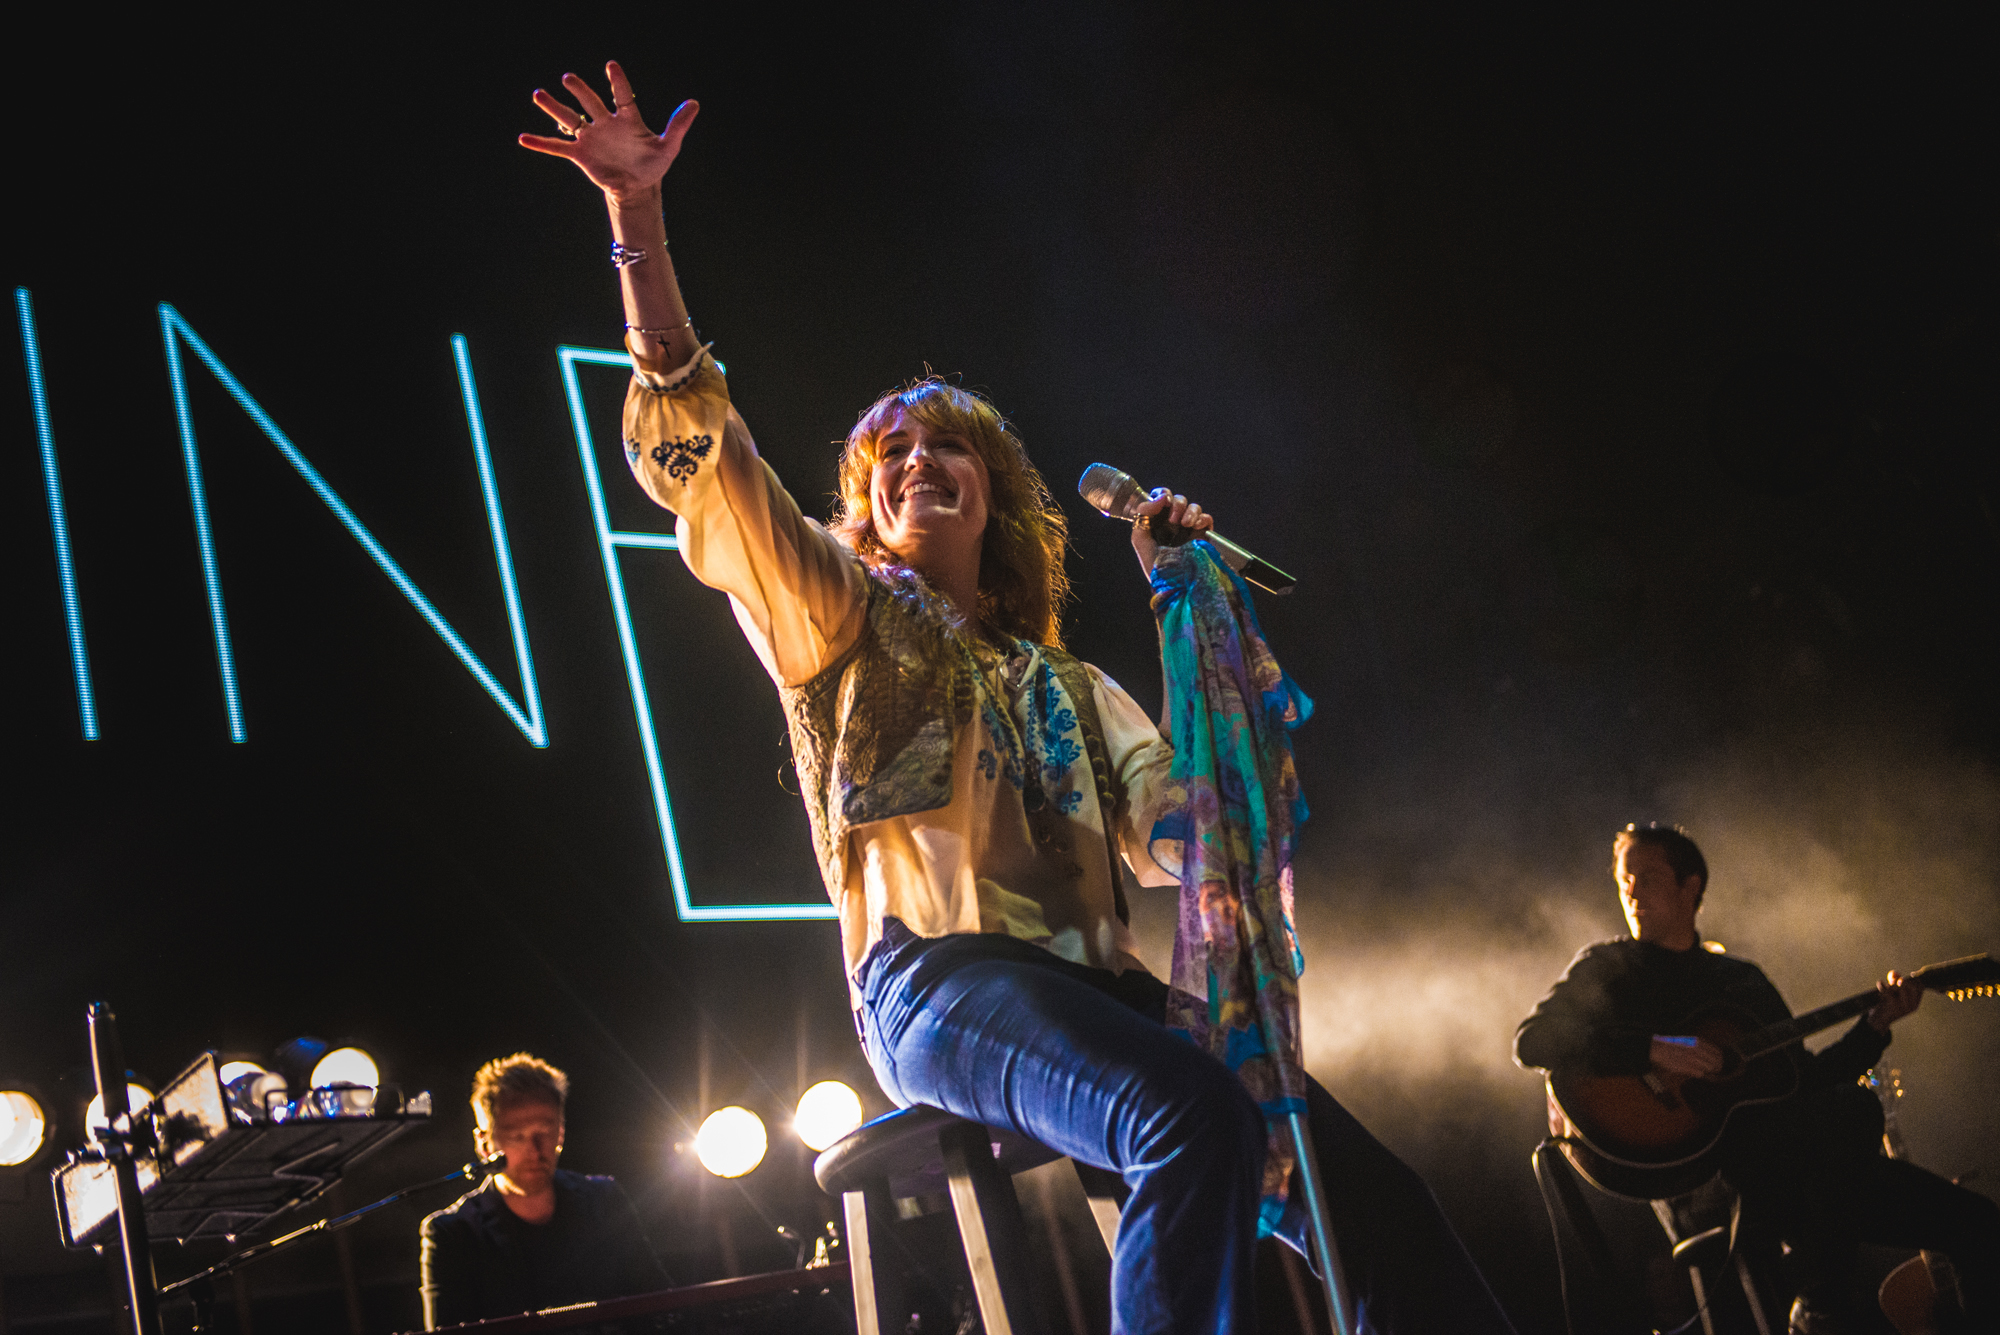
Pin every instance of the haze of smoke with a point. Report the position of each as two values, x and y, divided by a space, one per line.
1834 857
1844 857
1432 999
1418 988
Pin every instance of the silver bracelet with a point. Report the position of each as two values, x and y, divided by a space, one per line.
624 255
670 329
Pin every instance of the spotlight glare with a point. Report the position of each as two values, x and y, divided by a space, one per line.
230 1070
136 1097
731 1142
827 1111
22 1125
346 1066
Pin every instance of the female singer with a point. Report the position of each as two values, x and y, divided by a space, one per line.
971 789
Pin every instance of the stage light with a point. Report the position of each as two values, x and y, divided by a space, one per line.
94 1120
346 1066
731 1142
22 1126
255 1094
230 1070
827 1111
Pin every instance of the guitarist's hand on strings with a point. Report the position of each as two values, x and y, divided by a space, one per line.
1900 996
1696 1058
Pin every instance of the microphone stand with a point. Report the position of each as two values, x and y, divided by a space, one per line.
119 1141
202 1283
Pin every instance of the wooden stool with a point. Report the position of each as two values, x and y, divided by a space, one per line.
926 1152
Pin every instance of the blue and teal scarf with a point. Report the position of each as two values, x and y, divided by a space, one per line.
1237 812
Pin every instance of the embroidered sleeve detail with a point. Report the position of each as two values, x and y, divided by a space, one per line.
673 426
680 458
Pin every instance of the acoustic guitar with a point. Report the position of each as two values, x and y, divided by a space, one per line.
1653 1136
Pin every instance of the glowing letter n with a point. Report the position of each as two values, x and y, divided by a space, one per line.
527 716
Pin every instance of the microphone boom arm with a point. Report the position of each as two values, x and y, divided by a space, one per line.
257 1250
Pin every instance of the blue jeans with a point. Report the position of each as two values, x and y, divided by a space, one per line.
1002 1032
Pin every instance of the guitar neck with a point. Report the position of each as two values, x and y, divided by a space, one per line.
1973 976
1774 1036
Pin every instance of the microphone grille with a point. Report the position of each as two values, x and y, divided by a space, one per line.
1108 489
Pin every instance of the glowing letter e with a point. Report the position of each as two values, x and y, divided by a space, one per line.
175 331
609 542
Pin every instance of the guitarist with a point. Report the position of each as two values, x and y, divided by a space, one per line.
1808 1168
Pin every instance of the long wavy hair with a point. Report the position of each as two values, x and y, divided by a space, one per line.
1022 581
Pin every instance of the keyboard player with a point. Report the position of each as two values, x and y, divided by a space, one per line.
532 1235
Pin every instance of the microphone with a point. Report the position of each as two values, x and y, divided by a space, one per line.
1119 495
496 1164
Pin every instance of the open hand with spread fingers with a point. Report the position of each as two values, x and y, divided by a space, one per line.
612 144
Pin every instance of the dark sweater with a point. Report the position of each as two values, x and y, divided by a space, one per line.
482 1260
1617 994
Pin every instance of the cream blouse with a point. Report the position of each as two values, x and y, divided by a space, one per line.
800 594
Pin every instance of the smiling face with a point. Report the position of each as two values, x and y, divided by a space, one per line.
982 528
928 494
1658 908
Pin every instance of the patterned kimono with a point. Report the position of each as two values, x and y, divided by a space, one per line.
953 784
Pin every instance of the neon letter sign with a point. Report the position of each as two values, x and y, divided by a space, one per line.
79 656
175 331
526 715
609 541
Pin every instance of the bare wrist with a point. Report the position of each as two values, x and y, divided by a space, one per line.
643 200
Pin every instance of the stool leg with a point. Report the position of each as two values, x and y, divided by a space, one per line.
994 1233
1701 1300
1107 1193
880 1300
1756 1298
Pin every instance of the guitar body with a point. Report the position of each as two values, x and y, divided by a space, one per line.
1634 1183
1909 1297
1654 1136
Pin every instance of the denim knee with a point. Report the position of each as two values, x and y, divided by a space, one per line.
1214 1117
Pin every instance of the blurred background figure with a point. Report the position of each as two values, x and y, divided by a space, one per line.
532 1235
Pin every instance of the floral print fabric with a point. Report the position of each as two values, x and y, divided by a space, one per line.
1237 814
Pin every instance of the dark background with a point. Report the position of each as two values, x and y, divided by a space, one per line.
1624 397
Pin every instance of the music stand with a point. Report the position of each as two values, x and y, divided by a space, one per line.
186 1166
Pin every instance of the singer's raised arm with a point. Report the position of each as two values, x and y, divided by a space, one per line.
796 591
